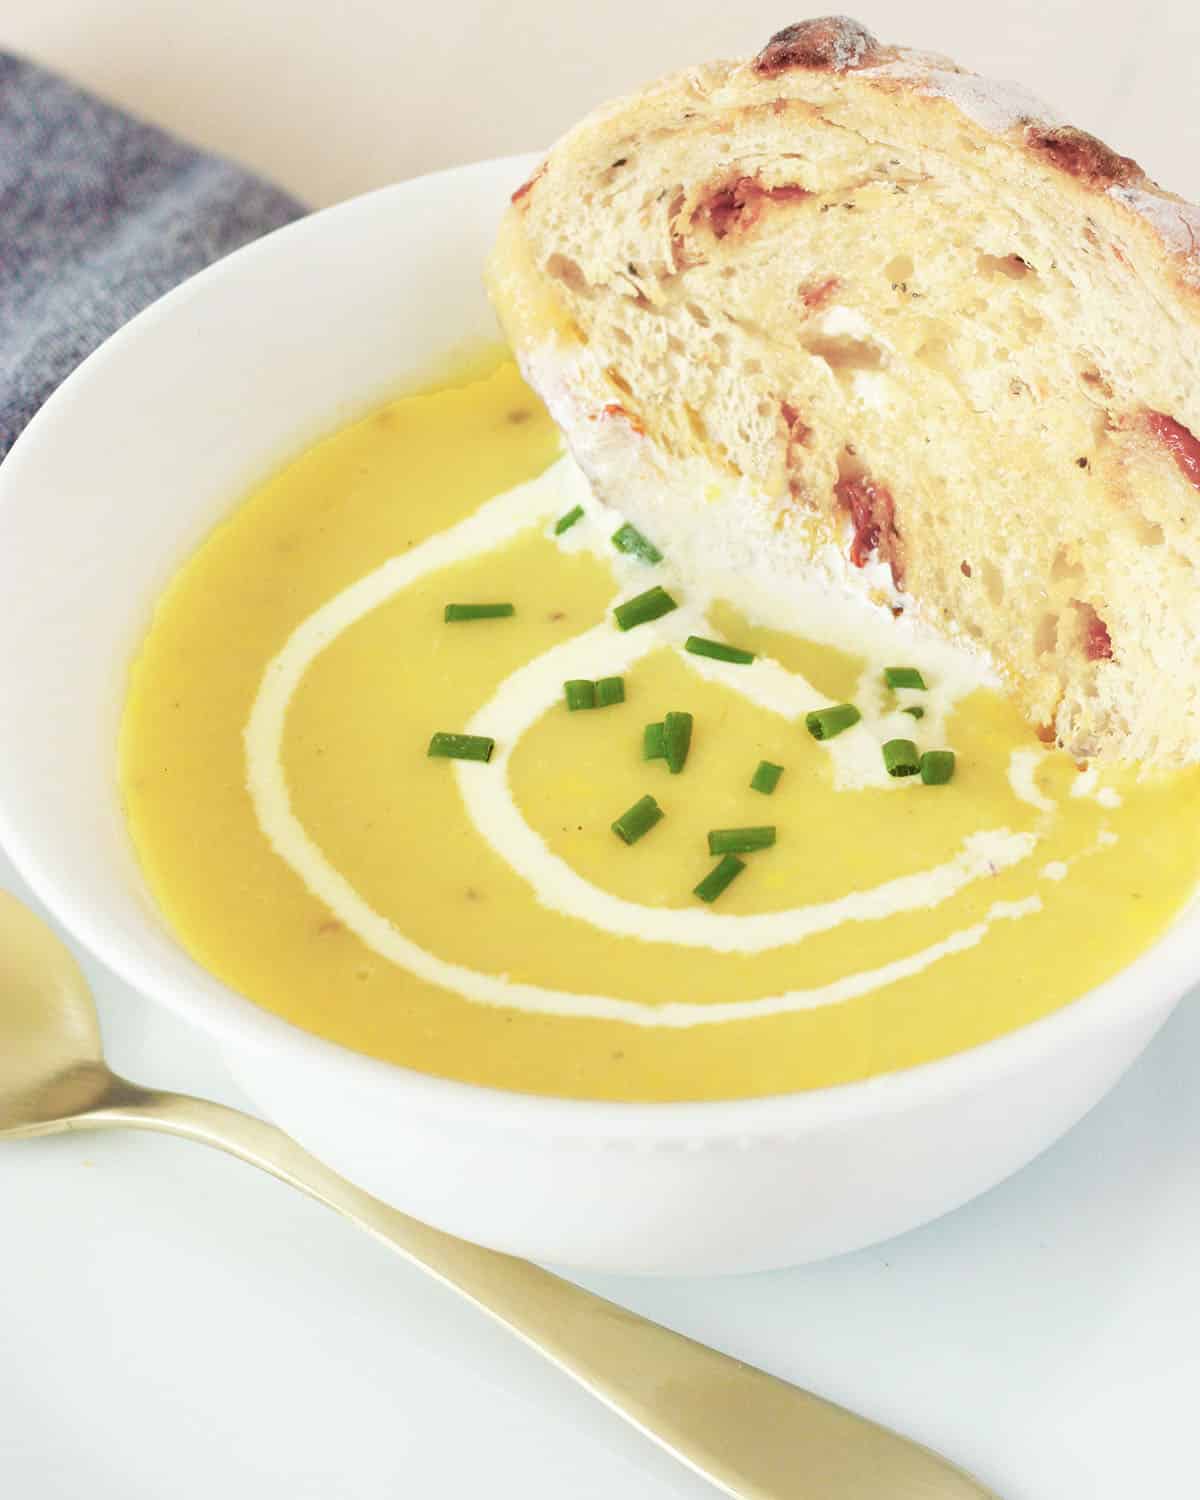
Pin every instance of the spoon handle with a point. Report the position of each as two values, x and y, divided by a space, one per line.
752 1435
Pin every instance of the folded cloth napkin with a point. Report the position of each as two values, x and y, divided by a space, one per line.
99 215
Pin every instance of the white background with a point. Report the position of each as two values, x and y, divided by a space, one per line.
173 1325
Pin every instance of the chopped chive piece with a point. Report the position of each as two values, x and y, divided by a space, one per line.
630 540
719 877
903 677
914 710
637 820
718 650
564 523
824 723
937 767
478 612
901 758
580 693
462 746
677 739
766 777
644 607
654 742
740 840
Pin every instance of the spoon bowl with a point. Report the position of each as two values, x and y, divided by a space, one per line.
51 1059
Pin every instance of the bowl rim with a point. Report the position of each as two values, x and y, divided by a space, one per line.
1155 979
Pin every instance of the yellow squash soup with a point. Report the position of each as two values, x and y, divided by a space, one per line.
482 920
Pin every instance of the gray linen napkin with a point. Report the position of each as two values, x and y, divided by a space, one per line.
99 215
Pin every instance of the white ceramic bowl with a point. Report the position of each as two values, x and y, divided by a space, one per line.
114 483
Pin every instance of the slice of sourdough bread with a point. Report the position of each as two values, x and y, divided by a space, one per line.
912 329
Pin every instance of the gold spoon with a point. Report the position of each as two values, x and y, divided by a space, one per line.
754 1436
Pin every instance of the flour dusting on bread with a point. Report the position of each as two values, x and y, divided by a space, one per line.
870 318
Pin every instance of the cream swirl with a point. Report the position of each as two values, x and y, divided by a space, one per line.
487 795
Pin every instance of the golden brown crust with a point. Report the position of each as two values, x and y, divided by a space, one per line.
833 42
1083 156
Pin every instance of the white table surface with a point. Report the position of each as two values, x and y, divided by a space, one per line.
173 1324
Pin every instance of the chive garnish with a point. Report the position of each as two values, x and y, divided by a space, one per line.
654 742
740 840
564 523
718 650
478 612
637 820
914 710
903 677
630 540
677 739
766 777
901 758
462 746
719 877
644 608
580 693
937 767
824 723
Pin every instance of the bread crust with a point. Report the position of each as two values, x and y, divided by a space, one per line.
842 45
835 43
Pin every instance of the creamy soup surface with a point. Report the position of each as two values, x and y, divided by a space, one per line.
482 921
